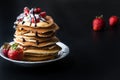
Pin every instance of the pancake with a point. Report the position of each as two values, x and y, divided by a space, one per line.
39 55
45 48
29 58
36 35
38 30
39 40
32 34
42 51
35 44
32 39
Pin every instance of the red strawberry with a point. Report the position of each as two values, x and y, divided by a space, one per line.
26 11
35 10
98 23
113 21
43 14
5 49
38 10
33 20
15 53
37 20
20 19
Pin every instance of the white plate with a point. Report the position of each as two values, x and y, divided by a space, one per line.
61 54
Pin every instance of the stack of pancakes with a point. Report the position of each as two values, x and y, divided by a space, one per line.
38 40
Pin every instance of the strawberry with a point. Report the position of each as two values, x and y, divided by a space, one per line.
98 23
37 20
32 20
38 10
5 49
20 19
35 10
113 21
15 52
26 11
43 14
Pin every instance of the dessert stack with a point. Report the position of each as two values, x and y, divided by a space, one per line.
35 34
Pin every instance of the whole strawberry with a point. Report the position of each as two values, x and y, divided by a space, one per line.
15 52
98 23
5 49
113 21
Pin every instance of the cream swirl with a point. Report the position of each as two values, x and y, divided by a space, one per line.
32 17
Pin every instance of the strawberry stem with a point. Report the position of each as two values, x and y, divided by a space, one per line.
101 16
14 46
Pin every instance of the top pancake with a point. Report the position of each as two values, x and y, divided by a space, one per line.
54 27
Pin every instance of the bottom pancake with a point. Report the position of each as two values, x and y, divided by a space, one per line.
31 58
39 55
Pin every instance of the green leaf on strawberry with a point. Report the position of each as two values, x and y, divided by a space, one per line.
14 46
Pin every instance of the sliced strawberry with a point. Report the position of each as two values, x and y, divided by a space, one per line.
26 11
20 19
33 20
43 14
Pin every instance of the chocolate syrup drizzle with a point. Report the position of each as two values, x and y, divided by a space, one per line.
37 42
35 20
23 40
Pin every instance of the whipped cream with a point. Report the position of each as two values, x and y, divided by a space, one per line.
31 17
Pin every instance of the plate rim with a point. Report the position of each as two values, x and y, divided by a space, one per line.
63 53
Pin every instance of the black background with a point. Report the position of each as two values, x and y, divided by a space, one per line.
93 55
